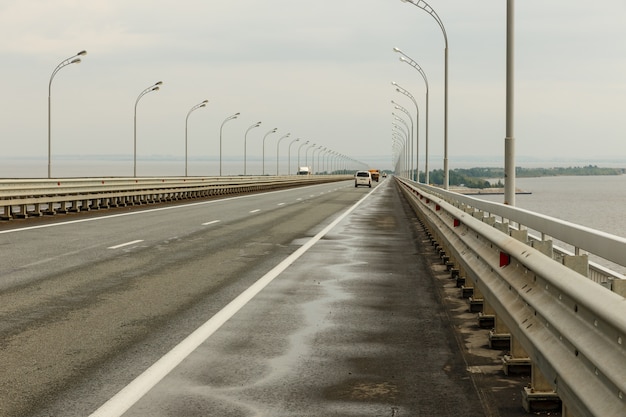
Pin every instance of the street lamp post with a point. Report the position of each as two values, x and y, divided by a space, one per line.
411 62
197 106
306 153
426 7
409 95
509 140
245 145
265 136
415 125
278 147
300 147
154 87
289 155
396 117
321 149
407 145
234 116
71 60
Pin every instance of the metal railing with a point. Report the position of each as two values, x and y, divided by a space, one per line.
571 330
35 197
583 240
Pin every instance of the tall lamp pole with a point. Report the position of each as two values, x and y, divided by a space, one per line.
417 135
234 116
289 155
411 62
197 106
154 87
300 147
509 141
396 117
265 136
306 153
245 145
409 95
278 147
426 7
71 60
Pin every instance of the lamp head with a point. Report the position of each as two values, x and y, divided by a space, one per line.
75 61
205 101
81 53
158 83
397 50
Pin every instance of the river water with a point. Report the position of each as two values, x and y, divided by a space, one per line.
598 202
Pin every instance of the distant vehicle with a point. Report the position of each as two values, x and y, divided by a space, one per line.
304 171
362 178
375 174
384 175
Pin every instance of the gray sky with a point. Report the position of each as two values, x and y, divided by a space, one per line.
321 70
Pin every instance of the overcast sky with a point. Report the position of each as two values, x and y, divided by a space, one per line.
320 70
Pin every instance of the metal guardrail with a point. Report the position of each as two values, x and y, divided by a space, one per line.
599 244
35 197
572 330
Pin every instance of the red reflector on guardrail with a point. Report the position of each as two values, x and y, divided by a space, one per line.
505 259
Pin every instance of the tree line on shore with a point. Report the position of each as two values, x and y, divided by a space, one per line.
478 177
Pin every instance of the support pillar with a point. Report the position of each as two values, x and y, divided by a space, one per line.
539 395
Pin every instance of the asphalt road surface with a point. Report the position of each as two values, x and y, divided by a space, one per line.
316 301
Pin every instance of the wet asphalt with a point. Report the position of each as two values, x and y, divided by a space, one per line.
359 326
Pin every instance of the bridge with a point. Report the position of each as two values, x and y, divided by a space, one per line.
96 304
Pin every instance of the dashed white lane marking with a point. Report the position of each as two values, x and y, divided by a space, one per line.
125 244
211 222
129 395
281 204
255 211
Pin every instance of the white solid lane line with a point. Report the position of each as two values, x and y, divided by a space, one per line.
211 222
125 244
129 395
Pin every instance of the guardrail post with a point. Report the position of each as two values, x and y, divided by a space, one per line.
6 213
619 286
476 301
503 227
578 263
517 361
543 246
490 220
487 317
521 235
539 395
500 336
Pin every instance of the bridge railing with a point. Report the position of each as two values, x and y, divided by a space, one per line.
568 329
584 241
33 197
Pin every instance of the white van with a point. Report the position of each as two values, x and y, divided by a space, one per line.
363 178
